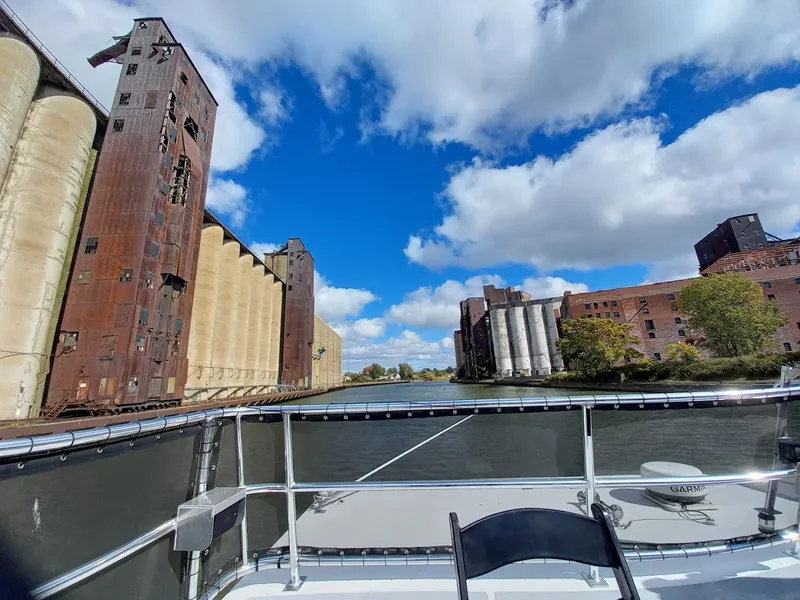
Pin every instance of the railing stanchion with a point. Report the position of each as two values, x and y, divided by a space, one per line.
241 483
593 578
295 581
766 516
203 468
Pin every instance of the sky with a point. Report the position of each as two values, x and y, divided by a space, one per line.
424 148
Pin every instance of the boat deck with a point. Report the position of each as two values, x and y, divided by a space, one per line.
766 574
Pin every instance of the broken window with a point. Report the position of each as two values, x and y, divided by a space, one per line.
178 326
136 51
648 324
787 346
170 385
608 314
613 303
131 70
190 127
767 285
203 135
681 333
585 306
133 386
770 296
108 344
124 99
206 114
139 343
159 218
616 315
678 320
164 187
125 275
119 125
184 78
657 356
670 296
171 106
144 316
651 335
180 180
642 300
142 24
164 142
153 249
595 304
196 100
605 304
91 246
148 281
84 277
170 161
70 341
645 311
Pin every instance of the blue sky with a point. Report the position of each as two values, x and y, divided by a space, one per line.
422 149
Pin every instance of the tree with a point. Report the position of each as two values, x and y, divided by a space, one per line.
376 371
391 371
405 370
450 370
591 346
731 313
681 352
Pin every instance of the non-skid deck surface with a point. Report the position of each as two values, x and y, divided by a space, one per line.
420 517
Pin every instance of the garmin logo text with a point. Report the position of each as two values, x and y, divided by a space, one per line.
687 489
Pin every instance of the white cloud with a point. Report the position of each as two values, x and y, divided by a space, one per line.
407 347
262 248
227 198
621 196
500 68
550 287
437 308
275 105
361 329
333 303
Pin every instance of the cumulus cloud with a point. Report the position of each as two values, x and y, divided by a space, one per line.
262 248
227 198
361 329
501 68
407 347
335 303
437 308
550 287
622 196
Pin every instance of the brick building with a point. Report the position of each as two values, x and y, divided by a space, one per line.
476 344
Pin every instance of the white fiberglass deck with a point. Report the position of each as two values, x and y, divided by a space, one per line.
767 574
419 517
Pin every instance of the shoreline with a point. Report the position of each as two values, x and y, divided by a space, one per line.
629 386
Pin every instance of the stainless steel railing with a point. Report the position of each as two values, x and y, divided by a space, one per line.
27 448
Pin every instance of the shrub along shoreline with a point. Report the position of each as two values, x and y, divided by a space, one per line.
760 366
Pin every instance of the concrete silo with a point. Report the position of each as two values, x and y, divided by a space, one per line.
204 307
520 355
502 350
19 77
254 336
38 205
225 315
244 287
265 344
276 331
537 337
556 362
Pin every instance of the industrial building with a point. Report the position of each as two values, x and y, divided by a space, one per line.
740 245
326 368
506 334
108 252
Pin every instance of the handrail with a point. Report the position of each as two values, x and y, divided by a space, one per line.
27 446
101 563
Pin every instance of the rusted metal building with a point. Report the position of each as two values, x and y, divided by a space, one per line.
122 332
295 265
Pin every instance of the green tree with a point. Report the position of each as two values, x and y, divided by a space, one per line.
391 371
681 352
405 370
731 313
450 370
591 346
376 371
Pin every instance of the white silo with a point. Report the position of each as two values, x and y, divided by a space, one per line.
265 345
502 351
244 287
204 307
38 204
276 332
225 316
520 355
556 362
19 77
254 337
537 336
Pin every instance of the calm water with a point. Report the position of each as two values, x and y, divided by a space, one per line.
57 514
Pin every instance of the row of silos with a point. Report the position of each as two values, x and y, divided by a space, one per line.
524 339
46 138
235 334
326 367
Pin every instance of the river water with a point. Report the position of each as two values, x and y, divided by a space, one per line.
59 512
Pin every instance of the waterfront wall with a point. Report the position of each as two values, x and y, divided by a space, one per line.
326 368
